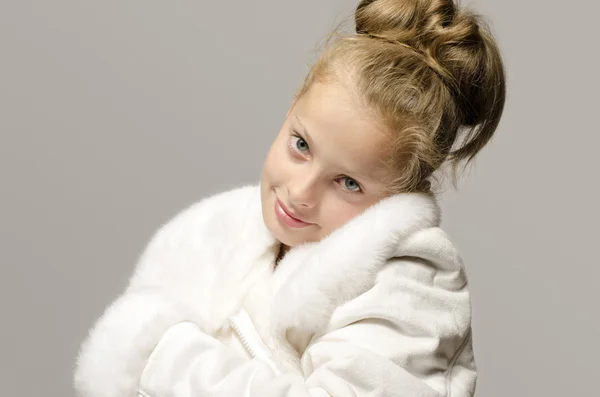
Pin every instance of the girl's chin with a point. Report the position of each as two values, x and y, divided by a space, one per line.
285 239
291 241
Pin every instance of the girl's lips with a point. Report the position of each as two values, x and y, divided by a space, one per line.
286 218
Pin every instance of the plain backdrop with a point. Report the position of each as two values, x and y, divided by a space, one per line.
115 115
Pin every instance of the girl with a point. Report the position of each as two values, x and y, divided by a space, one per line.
331 276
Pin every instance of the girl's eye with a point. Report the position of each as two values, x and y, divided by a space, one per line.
351 185
299 144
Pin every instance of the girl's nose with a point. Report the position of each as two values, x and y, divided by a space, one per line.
302 192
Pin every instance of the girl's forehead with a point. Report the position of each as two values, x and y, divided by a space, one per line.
336 105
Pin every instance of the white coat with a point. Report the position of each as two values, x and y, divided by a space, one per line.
380 307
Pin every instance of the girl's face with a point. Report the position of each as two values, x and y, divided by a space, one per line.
323 168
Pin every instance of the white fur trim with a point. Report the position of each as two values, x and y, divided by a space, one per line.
113 357
313 279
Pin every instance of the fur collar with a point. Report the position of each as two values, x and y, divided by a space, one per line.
315 278
218 255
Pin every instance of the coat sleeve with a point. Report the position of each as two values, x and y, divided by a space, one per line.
188 363
369 350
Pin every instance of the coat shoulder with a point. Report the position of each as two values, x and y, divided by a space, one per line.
197 237
213 215
417 313
216 209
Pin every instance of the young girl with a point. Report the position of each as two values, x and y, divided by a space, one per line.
330 277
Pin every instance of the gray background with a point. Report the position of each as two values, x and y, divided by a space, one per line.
114 115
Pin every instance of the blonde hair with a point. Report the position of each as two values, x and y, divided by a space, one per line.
432 74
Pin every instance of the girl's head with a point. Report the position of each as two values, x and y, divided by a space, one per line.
420 84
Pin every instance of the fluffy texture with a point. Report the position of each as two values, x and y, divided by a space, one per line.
120 344
378 306
318 277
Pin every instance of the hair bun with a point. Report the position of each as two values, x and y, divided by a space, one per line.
404 20
454 42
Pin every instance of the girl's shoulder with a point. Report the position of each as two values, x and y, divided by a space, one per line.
211 214
219 207
204 232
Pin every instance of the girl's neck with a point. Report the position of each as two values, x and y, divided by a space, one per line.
283 249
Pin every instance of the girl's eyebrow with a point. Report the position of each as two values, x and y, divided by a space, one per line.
304 130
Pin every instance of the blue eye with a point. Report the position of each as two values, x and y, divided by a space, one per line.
351 185
300 144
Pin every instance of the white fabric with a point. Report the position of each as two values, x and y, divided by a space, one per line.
380 307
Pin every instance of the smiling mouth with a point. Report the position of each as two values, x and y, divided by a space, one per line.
284 216
284 208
